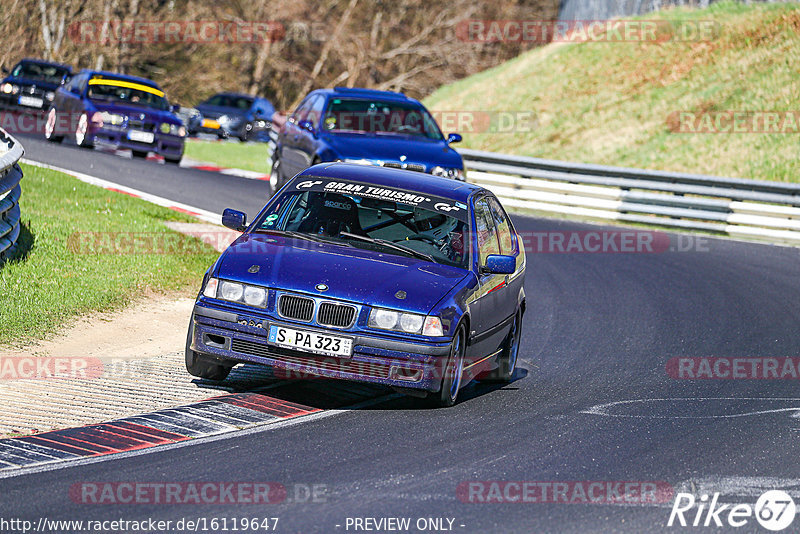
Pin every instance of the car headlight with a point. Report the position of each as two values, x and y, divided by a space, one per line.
455 174
9 88
101 118
235 292
50 95
409 323
173 129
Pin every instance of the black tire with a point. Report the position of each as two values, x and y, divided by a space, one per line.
201 367
275 176
507 360
173 161
452 371
50 128
141 154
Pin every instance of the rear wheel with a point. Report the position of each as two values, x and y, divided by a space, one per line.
275 178
142 154
201 367
507 360
173 161
50 127
453 371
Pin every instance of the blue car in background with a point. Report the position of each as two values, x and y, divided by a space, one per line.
371 274
31 84
117 111
365 126
234 115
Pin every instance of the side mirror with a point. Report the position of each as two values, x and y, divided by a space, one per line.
497 264
306 125
454 138
175 108
235 220
6 71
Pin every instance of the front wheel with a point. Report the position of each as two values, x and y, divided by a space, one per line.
141 154
199 366
173 161
453 370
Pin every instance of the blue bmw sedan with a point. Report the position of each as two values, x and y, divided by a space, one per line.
365 126
117 111
369 274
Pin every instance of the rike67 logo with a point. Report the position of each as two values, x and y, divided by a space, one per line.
774 510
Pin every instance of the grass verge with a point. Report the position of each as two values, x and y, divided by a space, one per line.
247 156
617 103
80 255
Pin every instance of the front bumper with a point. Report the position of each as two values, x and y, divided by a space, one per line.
375 359
117 138
10 102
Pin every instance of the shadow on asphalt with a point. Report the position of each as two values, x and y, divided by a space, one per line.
326 394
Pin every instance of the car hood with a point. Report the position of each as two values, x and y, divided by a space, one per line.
47 86
215 112
150 114
390 148
351 274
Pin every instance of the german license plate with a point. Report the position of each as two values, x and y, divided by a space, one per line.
310 341
141 137
30 101
208 123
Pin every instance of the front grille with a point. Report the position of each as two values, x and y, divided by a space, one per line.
30 90
318 363
406 166
338 315
298 308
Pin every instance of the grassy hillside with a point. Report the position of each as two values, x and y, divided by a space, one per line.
617 103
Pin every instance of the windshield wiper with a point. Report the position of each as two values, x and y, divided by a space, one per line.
389 244
308 237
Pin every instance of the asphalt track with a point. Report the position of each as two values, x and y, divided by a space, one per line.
600 329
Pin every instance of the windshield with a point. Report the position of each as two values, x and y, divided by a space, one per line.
369 223
229 101
124 92
39 71
380 117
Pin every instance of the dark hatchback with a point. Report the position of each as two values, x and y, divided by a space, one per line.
235 115
363 126
116 111
31 85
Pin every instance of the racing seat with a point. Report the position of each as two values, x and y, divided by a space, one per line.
329 214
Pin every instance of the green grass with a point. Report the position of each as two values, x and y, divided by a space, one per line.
615 103
247 156
64 274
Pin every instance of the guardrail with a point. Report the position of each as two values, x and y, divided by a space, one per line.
10 191
737 207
